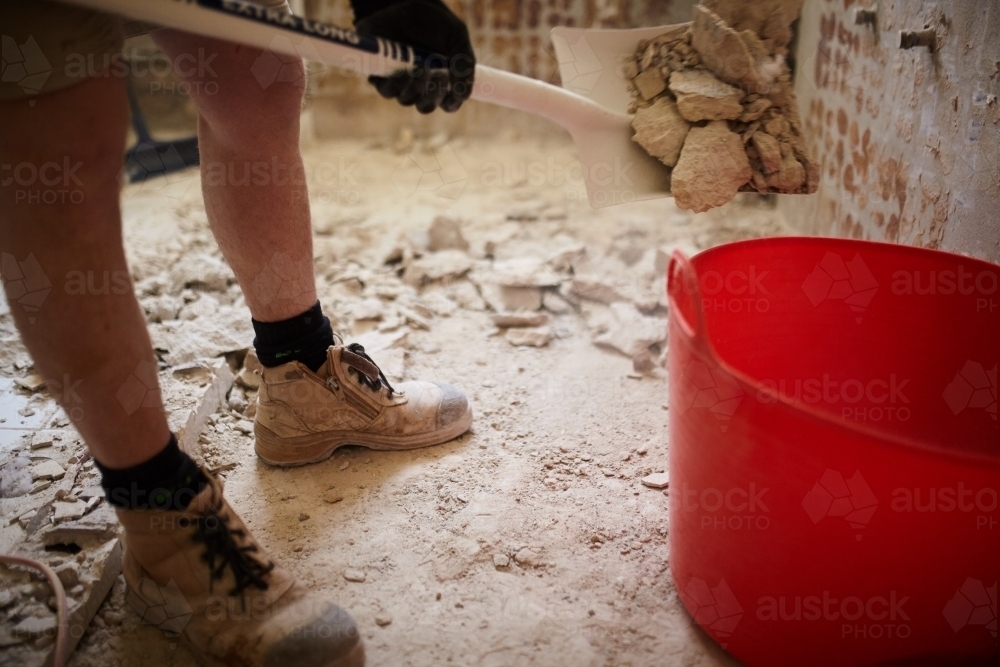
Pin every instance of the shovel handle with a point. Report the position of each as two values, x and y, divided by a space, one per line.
273 30
281 32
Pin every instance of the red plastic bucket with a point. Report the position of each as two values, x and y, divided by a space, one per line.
834 451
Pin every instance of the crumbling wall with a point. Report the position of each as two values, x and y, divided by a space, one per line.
907 139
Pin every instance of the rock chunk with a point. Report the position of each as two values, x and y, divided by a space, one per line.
332 496
790 176
769 151
32 382
530 319
47 469
701 96
755 109
660 130
712 168
723 50
445 233
650 83
532 336
658 480
630 332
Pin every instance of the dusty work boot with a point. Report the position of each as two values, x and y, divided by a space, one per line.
200 573
302 417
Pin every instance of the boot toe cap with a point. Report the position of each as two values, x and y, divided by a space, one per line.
454 405
330 640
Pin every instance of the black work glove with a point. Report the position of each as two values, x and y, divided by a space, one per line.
446 80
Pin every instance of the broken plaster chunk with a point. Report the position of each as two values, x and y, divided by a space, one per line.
200 271
69 511
790 177
40 441
712 168
445 233
592 288
658 480
523 272
649 83
754 110
8 597
644 362
47 469
356 576
554 303
503 298
526 558
32 382
69 574
251 362
520 319
383 619
777 126
501 560
630 332
660 130
445 265
33 626
769 151
723 50
701 96
533 336
248 379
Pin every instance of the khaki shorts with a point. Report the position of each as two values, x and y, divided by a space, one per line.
49 46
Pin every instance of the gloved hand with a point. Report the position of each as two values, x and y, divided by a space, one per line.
429 25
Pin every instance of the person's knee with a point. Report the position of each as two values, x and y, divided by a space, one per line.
239 91
253 113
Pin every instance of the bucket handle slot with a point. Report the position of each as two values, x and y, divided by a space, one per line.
685 297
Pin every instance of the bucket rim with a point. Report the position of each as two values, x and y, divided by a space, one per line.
705 347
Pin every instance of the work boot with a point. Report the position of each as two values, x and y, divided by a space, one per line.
199 573
302 417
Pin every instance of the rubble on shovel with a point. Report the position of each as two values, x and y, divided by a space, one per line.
713 101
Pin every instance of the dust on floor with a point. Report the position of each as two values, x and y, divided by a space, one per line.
531 540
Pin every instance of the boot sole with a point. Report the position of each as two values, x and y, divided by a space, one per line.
305 449
356 658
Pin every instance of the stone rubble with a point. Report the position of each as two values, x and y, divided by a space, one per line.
530 274
724 73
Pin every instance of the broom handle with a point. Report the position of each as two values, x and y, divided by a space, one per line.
281 32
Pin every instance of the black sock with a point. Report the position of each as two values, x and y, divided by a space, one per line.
303 338
168 481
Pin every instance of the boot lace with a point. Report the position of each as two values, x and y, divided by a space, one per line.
375 385
222 550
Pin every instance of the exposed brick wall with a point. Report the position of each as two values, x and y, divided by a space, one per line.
908 140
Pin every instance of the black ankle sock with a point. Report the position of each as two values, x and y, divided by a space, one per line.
169 480
303 338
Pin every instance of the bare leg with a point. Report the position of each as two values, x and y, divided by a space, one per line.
97 339
252 173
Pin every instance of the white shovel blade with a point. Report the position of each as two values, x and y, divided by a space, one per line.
591 61
591 65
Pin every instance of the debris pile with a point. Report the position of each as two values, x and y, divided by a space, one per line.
519 294
713 101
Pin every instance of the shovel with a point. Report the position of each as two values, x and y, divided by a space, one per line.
592 108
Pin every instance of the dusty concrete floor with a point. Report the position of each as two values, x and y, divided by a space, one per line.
549 476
